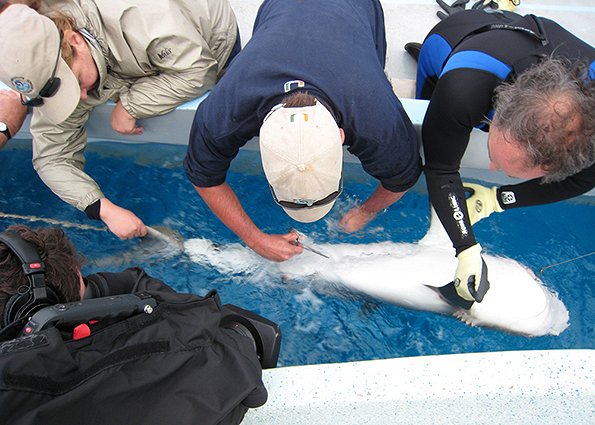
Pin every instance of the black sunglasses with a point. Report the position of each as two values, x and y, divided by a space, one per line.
50 87
304 203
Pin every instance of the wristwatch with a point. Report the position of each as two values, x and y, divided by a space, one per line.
4 130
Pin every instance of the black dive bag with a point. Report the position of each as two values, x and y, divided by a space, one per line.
181 359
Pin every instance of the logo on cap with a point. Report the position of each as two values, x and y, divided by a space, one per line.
292 117
22 85
293 84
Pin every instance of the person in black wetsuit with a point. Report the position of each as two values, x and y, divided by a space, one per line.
323 62
527 81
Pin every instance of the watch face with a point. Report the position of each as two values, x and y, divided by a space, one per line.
3 126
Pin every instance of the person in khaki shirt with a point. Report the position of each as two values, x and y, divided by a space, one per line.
147 56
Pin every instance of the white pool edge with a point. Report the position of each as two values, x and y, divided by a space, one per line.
524 387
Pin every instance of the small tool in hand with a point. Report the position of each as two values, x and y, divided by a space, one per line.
307 248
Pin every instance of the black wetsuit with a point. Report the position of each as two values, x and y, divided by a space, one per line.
461 62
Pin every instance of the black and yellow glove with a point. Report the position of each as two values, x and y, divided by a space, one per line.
471 278
482 202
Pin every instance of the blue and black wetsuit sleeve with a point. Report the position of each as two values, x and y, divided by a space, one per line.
461 100
533 192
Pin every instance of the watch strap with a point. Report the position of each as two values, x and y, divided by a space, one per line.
5 131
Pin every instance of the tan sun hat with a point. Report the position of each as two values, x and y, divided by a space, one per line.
30 44
302 157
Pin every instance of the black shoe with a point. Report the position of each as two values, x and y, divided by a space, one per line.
457 6
413 49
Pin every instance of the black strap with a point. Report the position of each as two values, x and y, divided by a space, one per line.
536 55
529 59
6 132
538 36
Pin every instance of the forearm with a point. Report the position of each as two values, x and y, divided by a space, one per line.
361 215
459 102
58 158
445 188
380 199
160 94
448 199
226 206
533 193
65 177
68 182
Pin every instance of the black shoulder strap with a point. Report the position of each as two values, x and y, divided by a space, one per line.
539 36
537 55
528 60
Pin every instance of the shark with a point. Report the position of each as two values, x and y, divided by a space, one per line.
160 243
408 275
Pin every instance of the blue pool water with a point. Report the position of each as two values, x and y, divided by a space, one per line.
319 324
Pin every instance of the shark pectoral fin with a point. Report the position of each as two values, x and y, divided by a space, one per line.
449 293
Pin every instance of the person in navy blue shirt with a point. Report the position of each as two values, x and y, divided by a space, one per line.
527 81
325 59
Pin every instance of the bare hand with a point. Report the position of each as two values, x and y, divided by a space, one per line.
123 122
277 247
121 222
12 112
356 219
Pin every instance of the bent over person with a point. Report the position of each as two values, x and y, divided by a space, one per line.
527 81
310 79
148 57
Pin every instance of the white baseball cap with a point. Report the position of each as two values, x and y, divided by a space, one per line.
302 157
30 43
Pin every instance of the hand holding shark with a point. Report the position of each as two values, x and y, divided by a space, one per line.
471 278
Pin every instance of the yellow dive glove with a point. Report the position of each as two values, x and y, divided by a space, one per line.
482 202
496 4
471 277
507 4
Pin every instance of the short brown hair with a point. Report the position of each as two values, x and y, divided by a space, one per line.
298 100
58 254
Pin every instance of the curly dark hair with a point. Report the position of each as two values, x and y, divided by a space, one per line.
548 111
59 256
